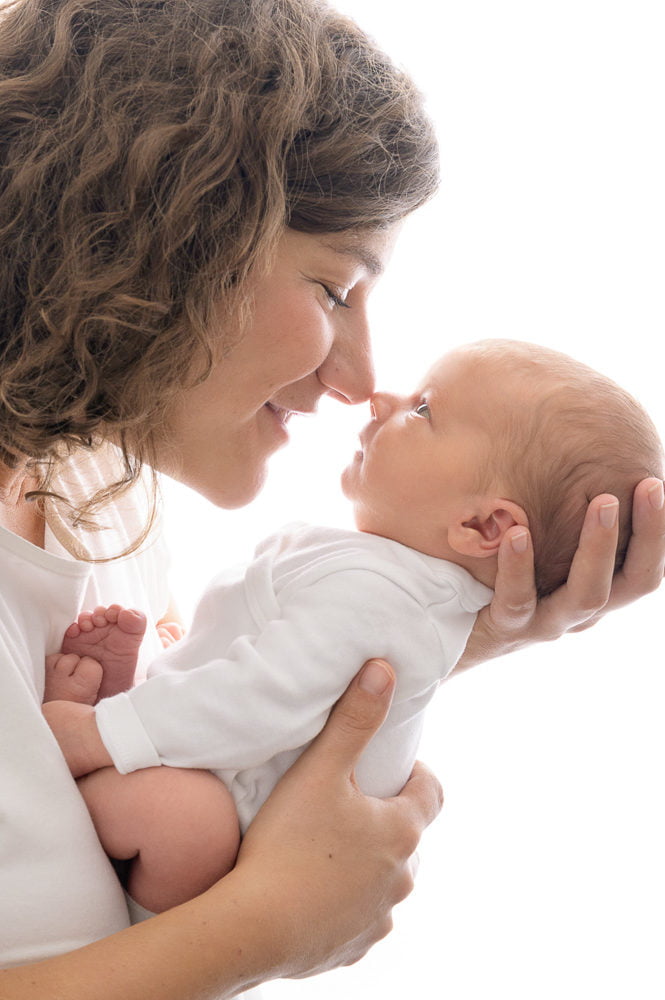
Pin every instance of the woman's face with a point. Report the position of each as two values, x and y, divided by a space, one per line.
308 335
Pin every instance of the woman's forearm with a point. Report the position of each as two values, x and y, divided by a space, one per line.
210 947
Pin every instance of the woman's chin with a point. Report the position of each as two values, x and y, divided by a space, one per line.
239 493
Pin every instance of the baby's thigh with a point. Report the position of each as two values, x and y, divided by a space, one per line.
158 809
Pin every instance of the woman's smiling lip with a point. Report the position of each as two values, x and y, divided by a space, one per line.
280 412
284 414
280 417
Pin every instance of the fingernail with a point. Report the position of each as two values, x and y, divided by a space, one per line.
374 678
608 514
656 496
519 542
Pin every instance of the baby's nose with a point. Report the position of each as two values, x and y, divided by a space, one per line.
382 405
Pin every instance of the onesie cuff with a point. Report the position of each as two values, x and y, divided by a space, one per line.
124 735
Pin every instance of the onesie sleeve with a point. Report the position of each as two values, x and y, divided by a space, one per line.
271 692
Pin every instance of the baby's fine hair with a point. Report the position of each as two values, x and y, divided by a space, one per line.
151 153
580 435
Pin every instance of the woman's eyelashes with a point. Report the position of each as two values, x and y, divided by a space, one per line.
336 296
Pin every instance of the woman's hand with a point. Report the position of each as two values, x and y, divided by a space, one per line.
515 618
329 863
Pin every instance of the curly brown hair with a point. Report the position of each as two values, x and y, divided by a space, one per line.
151 153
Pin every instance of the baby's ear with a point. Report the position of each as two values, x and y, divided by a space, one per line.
479 535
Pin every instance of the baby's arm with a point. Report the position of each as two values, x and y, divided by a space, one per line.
75 728
272 693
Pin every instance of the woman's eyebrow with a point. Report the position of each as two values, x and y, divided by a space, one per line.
363 254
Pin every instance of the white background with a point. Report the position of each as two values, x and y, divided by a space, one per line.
544 877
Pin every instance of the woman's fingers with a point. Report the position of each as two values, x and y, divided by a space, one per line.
500 627
643 567
355 718
514 600
424 796
587 589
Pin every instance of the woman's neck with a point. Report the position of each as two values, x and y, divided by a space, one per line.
18 515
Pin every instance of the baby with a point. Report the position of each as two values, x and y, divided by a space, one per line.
499 434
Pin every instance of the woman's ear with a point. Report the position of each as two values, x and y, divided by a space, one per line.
480 534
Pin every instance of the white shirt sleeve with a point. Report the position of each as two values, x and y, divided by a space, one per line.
273 691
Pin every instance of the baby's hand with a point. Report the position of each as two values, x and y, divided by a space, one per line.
170 633
75 728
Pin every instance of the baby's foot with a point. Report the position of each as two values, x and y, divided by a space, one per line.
113 636
69 677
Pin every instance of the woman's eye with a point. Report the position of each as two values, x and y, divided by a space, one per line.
422 410
335 297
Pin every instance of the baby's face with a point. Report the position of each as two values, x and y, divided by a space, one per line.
423 456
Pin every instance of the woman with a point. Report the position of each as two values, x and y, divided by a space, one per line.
196 201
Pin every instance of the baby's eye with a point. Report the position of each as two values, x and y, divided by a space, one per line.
422 410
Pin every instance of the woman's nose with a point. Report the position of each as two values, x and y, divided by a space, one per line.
348 371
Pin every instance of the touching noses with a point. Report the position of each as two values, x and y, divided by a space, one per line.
382 405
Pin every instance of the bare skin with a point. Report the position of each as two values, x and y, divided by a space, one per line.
99 655
178 827
22 517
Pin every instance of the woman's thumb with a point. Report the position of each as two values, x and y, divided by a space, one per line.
357 715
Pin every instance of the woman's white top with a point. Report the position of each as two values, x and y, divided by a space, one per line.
57 888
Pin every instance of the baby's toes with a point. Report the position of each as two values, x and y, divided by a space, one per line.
100 617
85 621
131 621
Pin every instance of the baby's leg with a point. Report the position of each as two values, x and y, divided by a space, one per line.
113 636
179 826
